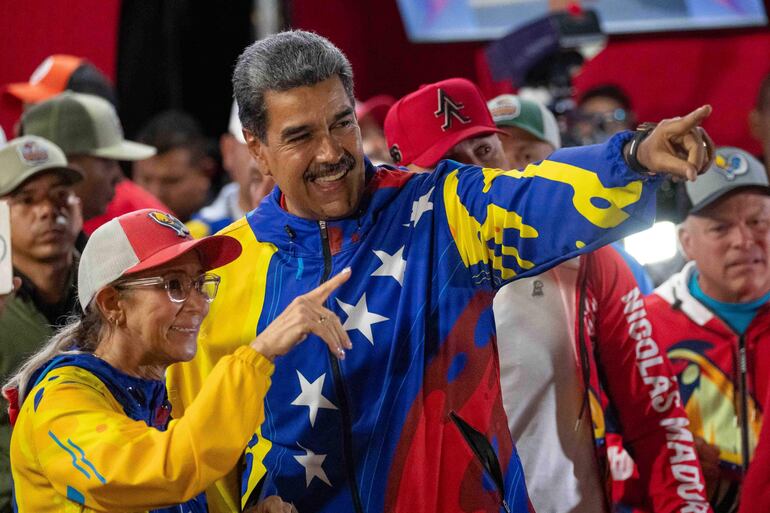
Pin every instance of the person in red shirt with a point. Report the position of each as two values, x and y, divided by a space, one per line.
713 318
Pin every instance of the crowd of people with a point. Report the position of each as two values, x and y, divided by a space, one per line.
413 304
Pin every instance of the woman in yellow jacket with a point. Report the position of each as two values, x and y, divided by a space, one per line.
94 431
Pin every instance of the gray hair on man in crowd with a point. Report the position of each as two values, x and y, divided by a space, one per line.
286 60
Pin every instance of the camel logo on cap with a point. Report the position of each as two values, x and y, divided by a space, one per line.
450 109
170 221
395 154
732 165
32 153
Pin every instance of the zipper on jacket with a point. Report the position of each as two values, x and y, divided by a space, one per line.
744 403
741 370
341 391
484 453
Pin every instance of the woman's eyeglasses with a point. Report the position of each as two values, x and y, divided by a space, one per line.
178 285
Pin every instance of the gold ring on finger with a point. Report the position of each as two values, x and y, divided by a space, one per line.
322 319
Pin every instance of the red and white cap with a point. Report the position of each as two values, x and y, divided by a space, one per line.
142 240
422 126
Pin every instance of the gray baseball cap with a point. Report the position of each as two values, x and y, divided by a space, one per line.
83 124
732 169
28 156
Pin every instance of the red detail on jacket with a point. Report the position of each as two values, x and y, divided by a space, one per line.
428 427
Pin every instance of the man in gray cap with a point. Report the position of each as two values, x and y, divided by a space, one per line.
713 317
37 183
88 130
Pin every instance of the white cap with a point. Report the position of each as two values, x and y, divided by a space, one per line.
235 127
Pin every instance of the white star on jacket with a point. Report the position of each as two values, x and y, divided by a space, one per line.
392 265
422 205
360 318
312 396
313 464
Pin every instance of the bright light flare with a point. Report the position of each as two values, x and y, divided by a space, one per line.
653 245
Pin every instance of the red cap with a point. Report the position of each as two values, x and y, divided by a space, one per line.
142 240
376 107
422 126
48 79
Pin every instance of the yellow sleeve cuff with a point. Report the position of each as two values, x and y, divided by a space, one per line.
253 357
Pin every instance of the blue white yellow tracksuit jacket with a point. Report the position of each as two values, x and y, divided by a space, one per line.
412 420
90 438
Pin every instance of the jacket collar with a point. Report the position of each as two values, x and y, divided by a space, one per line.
56 314
676 292
142 399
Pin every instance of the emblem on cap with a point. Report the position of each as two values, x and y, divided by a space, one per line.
171 222
731 165
32 153
450 109
395 154
510 108
41 71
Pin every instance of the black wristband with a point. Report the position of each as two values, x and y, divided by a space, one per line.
633 148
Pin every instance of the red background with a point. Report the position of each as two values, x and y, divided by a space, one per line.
664 74
31 30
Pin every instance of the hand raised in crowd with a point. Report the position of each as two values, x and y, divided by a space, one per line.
306 315
272 504
678 146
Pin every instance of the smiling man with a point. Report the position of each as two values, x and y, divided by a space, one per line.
411 419
714 321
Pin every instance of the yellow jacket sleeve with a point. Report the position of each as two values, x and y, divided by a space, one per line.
87 447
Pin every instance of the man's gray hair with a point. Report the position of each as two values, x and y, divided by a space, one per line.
281 62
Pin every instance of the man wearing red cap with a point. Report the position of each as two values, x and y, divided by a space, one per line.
458 129
412 418
568 368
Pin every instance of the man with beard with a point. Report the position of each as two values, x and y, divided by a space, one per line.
713 318
37 183
411 418
570 382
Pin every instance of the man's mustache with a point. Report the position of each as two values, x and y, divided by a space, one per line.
346 163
